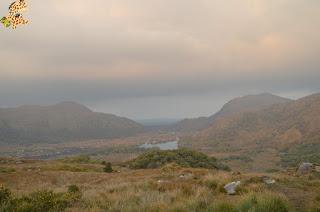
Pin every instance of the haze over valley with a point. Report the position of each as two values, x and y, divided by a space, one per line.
160 106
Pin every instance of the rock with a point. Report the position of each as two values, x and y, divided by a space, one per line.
267 180
305 168
162 181
230 188
186 176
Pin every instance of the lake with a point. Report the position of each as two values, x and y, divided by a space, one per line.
169 145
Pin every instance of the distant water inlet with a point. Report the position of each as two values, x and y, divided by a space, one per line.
169 145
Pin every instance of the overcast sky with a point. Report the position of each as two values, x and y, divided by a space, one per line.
159 58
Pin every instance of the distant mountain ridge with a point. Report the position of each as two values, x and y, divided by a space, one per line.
277 126
61 122
235 106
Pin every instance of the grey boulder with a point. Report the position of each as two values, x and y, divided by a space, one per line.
230 188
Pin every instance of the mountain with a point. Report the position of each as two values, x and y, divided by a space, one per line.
61 122
277 126
235 106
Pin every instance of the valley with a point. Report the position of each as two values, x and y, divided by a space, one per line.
168 168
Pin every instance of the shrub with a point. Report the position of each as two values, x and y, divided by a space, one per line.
108 168
5 195
182 157
38 201
6 200
73 189
43 201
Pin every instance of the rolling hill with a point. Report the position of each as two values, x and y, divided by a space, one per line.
290 128
61 122
233 107
289 122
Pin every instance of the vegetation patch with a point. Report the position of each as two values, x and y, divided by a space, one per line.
85 159
38 201
301 153
264 203
242 158
6 170
182 157
67 167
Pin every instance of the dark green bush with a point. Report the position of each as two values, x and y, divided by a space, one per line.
182 157
73 189
108 168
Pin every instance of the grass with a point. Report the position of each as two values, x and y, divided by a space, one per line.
169 188
70 167
308 152
265 202
78 159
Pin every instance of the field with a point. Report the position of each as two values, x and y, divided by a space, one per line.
81 185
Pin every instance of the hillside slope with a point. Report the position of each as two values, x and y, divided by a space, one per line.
279 136
61 122
278 126
233 107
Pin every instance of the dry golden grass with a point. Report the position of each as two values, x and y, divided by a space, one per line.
170 188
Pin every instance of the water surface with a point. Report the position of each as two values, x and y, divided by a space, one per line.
169 145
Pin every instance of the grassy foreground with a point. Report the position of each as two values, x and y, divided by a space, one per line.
60 186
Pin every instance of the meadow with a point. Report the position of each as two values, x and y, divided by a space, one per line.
82 185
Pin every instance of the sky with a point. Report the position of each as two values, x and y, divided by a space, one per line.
147 59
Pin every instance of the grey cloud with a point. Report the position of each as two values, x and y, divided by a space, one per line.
116 55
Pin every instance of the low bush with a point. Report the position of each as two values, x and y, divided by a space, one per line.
39 201
108 168
182 157
73 189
